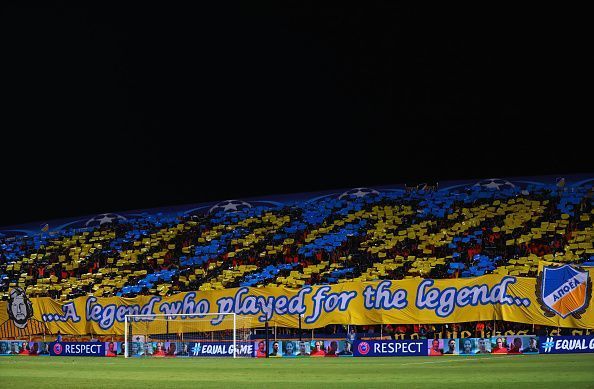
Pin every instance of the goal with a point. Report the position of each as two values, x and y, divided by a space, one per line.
188 335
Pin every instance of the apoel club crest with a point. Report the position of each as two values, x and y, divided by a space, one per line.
564 291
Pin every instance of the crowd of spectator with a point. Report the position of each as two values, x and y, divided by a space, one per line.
124 235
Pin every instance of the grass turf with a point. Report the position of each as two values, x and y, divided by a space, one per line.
554 371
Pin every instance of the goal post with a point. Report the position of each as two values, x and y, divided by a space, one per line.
188 335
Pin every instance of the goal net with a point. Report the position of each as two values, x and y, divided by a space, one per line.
187 335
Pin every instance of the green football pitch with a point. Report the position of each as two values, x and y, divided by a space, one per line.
554 371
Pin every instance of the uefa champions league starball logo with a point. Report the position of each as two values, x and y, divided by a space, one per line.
494 184
357 193
104 218
230 206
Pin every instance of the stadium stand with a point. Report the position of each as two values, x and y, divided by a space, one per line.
363 234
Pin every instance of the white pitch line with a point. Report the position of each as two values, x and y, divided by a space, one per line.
459 359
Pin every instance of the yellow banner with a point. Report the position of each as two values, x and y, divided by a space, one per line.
560 296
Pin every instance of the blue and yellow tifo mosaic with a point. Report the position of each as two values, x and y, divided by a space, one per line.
495 227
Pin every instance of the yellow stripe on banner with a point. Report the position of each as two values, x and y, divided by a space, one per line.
408 301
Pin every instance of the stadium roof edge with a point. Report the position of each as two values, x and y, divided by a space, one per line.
282 199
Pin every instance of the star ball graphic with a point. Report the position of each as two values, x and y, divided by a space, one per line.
357 193
104 218
230 206
494 184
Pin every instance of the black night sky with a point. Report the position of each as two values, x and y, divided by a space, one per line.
115 108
